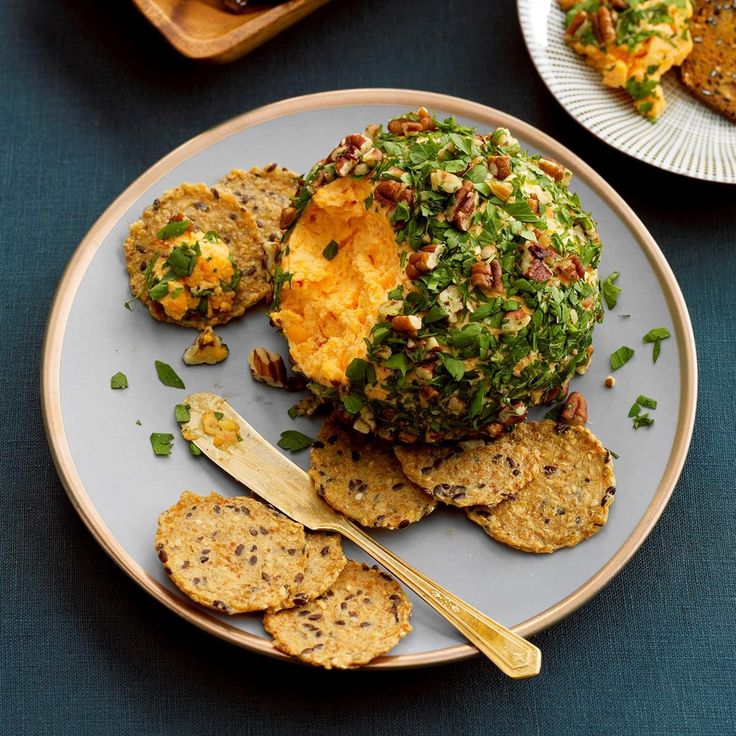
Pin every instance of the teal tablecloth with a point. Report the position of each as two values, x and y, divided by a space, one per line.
90 96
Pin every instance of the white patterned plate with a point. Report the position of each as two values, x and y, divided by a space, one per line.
688 138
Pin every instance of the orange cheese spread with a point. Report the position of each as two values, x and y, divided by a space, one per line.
331 304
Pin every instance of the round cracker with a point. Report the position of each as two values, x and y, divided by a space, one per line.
475 473
230 554
361 478
325 562
264 192
363 615
566 502
209 210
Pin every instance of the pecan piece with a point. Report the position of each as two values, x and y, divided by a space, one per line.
513 414
540 252
358 141
267 367
407 323
537 271
579 268
580 18
466 200
552 168
575 410
499 166
389 193
619 5
423 261
288 215
346 161
404 126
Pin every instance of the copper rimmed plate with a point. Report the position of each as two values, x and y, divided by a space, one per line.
118 487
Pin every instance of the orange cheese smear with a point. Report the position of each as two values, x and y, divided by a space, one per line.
331 305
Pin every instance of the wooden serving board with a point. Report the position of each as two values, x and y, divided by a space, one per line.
203 29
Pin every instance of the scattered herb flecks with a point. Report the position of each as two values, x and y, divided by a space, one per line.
161 443
621 357
196 452
294 441
119 380
168 376
181 413
330 250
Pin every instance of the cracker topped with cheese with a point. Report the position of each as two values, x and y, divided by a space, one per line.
632 43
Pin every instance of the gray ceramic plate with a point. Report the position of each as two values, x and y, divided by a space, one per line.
119 487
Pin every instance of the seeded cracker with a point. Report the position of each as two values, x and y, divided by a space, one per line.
208 210
230 554
264 192
361 478
325 562
566 502
483 474
363 615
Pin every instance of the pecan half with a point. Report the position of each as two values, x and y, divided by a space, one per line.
466 200
552 168
499 166
407 323
288 215
389 193
487 277
604 31
267 367
575 410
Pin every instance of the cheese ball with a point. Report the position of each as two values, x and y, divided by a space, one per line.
435 282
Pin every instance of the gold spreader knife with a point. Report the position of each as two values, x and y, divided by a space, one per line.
265 471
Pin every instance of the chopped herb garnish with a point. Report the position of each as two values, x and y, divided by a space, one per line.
129 302
613 454
167 375
138 422
161 443
646 401
330 250
119 380
610 290
173 229
622 356
368 201
635 409
181 413
294 441
218 415
398 362
656 336
643 420
352 403
455 367
196 452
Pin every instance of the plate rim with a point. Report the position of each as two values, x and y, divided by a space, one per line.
90 243
525 34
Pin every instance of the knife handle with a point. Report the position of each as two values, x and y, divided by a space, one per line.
512 654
